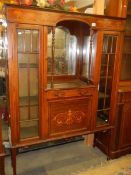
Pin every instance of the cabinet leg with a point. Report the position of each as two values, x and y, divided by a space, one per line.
108 145
13 160
2 165
89 140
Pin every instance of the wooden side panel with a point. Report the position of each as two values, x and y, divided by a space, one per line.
125 137
13 81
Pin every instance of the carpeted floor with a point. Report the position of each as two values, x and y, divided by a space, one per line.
69 159
121 166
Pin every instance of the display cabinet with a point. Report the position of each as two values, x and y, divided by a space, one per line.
58 64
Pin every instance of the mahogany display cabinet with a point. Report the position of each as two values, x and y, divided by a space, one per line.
63 71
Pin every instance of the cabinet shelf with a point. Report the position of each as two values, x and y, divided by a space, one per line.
106 77
29 120
27 52
105 65
23 101
57 48
102 95
69 84
105 109
101 122
26 65
108 53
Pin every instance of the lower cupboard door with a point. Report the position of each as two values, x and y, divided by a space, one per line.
69 116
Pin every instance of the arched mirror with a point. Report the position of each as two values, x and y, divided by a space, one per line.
69 54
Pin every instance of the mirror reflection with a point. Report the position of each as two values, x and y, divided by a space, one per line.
65 52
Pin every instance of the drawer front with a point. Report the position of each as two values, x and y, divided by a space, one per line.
69 116
69 93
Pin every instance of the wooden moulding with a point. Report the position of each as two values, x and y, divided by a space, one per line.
39 16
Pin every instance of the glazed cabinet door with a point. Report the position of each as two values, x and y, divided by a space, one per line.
24 80
109 76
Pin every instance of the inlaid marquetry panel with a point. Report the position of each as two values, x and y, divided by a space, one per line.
69 115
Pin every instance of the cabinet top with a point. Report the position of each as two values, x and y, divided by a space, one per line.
46 16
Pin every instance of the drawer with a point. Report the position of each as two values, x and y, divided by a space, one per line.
69 93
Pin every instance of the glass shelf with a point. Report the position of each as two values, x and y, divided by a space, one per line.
23 101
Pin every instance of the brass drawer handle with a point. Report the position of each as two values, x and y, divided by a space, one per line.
86 93
59 94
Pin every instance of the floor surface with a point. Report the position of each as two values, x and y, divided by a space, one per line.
67 159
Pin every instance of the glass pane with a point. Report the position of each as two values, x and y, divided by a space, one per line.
23 82
33 82
114 44
20 40
28 63
35 42
33 100
105 44
22 59
23 100
101 101
109 46
28 129
106 76
27 41
34 112
24 113
34 60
